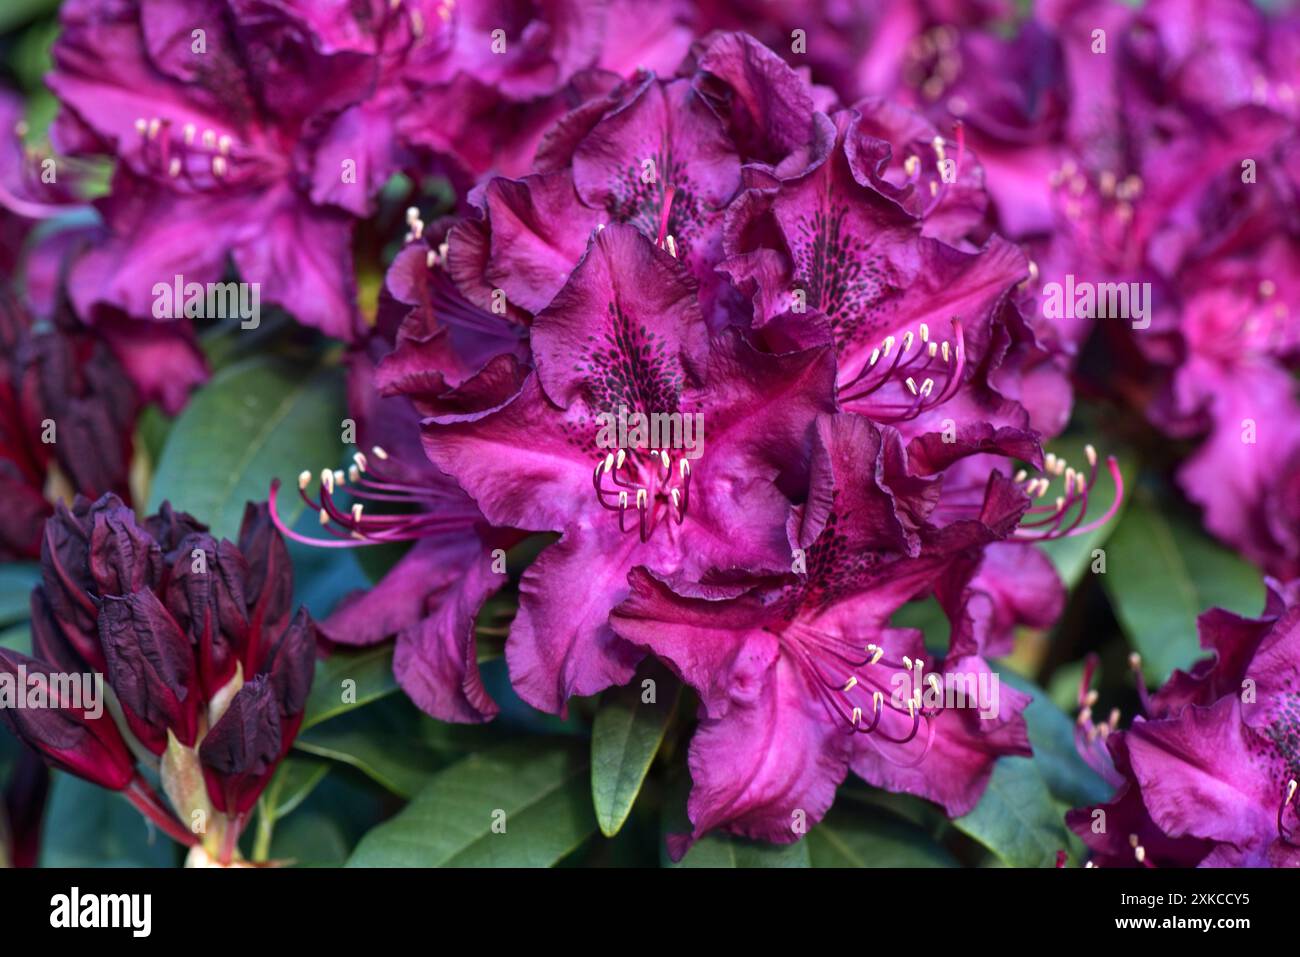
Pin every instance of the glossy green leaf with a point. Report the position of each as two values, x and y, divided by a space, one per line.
853 835
1051 733
347 680
87 826
1017 818
625 739
1161 574
523 804
259 419
724 850
17 579
382 743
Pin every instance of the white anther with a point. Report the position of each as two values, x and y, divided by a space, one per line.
378 453
304 479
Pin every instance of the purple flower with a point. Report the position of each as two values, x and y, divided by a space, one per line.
662 155
208 673
216 137
859 49
431 598
625 336
800 676
922 328
1209 776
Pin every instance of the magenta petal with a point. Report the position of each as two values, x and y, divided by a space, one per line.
561 643
769 768
436 660
1199 778
964 746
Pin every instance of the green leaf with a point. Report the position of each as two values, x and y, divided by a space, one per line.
723 850
625 738
854 836
323 831
1051 732
18 638
370 670
294 780
258 419
535 792
17 579
381 742
292 783
87 826
1161 573
16 12
1016 818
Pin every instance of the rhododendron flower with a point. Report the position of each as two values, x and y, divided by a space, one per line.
1209 776
626 332
214 148
431 598
799 677
208 671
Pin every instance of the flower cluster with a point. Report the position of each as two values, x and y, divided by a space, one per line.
1208 775
753 326
803 292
